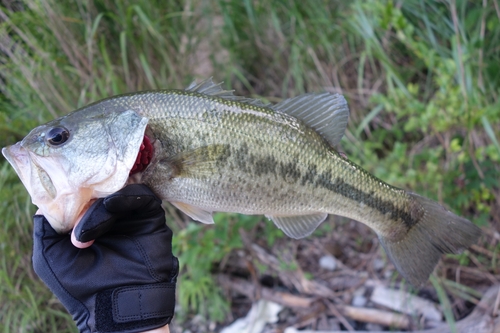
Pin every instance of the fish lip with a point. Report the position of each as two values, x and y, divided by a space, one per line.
21 160
14 155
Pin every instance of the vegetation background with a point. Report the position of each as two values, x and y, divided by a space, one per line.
422 79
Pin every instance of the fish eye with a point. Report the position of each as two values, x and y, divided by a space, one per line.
57 136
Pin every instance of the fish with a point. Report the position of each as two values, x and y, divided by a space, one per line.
205 150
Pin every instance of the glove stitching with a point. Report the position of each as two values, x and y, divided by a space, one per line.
147 261
141 315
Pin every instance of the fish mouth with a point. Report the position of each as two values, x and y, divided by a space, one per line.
20 160
9 156
34 178
40 187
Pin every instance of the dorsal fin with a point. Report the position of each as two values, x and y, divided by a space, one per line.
208 87
326 113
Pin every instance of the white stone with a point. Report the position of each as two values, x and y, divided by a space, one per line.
359 301
260 314
328 262
378 264
405 302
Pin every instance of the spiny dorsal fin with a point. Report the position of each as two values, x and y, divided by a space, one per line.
298 226
208 87
326 113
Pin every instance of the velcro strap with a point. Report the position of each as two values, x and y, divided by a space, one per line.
143 302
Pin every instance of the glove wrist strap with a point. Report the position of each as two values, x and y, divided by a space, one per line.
143 302
131 308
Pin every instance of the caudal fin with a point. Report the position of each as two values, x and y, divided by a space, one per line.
438 231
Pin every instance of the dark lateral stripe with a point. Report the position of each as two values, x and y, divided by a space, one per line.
383 206
264 165
290 172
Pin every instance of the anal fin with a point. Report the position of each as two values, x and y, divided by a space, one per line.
298 226
196 213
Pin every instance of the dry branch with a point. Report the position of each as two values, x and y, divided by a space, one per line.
385 318
484 318
249 290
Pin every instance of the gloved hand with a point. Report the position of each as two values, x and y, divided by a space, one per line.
125 281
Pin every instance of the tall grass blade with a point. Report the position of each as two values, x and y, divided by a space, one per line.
445 303
489 131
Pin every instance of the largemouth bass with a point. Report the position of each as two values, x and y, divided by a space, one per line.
205 150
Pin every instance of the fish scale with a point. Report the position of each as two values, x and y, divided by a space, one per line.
352 194
214 151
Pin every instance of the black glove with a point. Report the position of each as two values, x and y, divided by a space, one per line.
125 281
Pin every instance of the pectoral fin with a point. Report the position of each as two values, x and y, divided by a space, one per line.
194 212
298 226
197 162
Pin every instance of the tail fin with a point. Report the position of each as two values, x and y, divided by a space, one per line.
438 231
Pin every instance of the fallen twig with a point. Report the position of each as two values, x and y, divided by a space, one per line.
340 316
385 318
294 278
483 319
381 317
248 289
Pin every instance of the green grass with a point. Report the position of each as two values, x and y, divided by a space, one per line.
422 79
